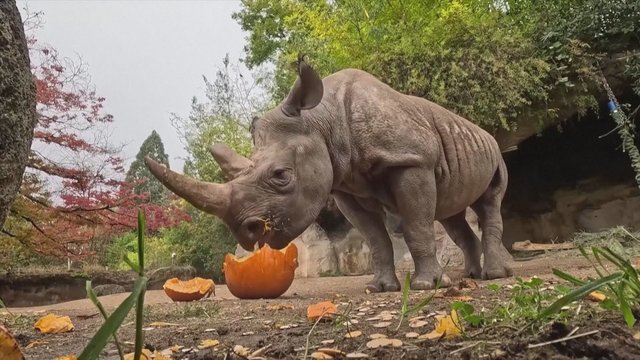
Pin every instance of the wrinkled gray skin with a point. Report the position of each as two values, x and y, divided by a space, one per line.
373 148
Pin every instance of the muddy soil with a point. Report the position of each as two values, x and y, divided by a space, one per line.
282 324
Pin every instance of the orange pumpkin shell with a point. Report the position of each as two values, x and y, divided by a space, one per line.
190 290
264 274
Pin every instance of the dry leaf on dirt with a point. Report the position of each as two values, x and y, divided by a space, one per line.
382 324
53 324
596 296
162 323
353 334
280 307
65 357
324 309
467 284
327 342
384 342
377 336
357 355
35 343
417 324
207 343
448 326
331 351
411 335
241 351
637 335
320 356
9 348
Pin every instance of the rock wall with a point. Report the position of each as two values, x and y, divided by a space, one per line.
592 206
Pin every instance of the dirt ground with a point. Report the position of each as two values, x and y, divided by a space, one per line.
281 324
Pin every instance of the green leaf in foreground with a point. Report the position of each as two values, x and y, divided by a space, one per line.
94 299
94 348
579 293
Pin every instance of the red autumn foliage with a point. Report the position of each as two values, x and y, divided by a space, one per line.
73 191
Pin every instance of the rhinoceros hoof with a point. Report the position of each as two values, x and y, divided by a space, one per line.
387 284
474 272
429 282
496 271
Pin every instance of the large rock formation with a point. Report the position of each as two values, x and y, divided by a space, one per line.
17 104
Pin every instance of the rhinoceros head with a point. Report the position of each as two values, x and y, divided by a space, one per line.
276 194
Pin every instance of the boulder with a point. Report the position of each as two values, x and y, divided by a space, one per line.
353 254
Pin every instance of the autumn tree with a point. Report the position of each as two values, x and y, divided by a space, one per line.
73 189
139 174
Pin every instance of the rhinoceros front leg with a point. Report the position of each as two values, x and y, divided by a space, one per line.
371 226
414 190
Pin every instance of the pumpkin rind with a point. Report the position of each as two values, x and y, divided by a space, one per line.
190 290
264 274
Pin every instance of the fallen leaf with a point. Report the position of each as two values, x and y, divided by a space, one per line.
146 354
448 326
357 355
637 335
430 336
327 342
53 324
36 343
377 336
320 356
353 334
207 343
65 357
382 324
596 296
384 342
411 335
416 318
468 284
280 307
176 348
9 348
417 324
162 323
324 309
241 351
331 351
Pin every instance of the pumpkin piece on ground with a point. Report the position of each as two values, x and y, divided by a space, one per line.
190 290
53 324
324 309
9 348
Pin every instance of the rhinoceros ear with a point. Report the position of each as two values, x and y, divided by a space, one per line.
306 92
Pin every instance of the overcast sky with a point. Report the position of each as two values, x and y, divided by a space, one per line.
146 58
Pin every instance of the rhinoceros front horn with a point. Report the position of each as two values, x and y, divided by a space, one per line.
209 197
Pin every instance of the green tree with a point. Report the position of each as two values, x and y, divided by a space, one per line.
153 147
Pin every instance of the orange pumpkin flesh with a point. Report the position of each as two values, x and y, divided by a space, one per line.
191 290
264 274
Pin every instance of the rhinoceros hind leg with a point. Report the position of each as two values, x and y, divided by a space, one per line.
496 257
371 225
461 233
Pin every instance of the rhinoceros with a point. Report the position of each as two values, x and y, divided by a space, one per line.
375 150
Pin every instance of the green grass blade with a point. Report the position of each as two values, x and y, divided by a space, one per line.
141 242
425 301
568 277
140 303
627 314
94 299
5 307
94 347
131 264
624 264
578 294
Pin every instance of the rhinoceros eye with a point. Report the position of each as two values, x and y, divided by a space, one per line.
281 177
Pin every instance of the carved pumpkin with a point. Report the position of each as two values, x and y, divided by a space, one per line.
264 274
190 290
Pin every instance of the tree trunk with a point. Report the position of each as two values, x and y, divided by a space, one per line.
17 104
